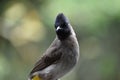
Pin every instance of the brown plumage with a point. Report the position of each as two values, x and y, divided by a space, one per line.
61 56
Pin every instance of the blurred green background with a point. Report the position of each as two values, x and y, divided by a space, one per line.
27 30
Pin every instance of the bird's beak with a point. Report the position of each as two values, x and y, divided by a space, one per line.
58 28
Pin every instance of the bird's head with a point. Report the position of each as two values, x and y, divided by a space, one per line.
63 27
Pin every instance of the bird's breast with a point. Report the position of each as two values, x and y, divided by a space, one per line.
69 58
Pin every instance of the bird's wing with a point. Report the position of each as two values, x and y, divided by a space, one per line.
46 60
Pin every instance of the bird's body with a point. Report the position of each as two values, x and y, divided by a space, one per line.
59 58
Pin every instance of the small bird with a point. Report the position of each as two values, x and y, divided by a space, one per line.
62 54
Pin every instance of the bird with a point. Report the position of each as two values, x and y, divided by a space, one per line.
61 56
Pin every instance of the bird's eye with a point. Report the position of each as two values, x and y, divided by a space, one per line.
64 25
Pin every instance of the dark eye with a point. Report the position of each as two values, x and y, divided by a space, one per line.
64 25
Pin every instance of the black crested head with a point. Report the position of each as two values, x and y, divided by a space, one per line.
62 27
